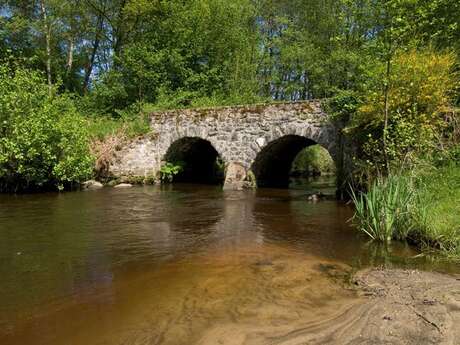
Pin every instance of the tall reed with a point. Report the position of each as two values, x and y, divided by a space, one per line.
385 211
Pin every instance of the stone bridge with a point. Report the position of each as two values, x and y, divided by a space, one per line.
254 145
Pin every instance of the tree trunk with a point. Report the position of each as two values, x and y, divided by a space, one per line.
97 39
119 33
70 56
47 28
387 106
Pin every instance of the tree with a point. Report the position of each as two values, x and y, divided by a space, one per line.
422 87
43 141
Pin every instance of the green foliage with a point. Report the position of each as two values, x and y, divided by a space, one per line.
131 122
169 170
107 96
343 105
385 211
420 91
125 51
43 141
306 47
313 160
189 54
421 206
184 99
439 207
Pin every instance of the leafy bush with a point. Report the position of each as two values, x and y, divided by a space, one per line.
313 160
169 170
343 105
420 90
43 139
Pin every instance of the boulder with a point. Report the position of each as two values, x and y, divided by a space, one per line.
112 183
123 185
315 197
235 177
91 184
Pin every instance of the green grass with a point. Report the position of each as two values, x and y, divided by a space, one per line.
103 126
439 198
385 212
422 207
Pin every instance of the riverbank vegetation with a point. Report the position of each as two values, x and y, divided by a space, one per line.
314 160
421 207
78 78
44 141
407 163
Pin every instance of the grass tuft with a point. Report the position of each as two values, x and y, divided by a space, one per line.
385 211
423 208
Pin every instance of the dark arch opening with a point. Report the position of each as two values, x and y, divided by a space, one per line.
198 159
273 165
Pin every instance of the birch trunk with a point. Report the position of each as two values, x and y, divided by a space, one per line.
47 29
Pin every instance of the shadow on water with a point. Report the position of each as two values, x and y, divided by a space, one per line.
177 264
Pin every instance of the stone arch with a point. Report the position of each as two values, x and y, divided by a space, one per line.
272 165
285 141
198 158
325 135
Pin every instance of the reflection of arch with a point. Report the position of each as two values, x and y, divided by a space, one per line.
273 163
198 159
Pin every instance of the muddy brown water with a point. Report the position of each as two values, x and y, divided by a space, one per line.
181 264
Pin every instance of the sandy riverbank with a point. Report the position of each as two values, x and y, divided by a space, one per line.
399 307
392 307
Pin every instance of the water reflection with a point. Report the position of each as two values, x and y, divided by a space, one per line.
164 264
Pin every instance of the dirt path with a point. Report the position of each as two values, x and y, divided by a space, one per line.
399 307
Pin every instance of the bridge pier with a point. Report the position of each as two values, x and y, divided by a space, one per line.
237 177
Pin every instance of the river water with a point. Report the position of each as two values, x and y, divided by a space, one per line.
179 264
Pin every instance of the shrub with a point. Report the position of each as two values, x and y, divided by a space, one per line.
313 160
420 90
169 170
43 139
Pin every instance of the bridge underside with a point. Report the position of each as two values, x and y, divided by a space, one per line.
197 159
272 165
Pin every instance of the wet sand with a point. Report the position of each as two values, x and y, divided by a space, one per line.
396 307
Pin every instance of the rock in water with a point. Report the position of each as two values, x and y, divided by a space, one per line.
123 185
313 198
92 184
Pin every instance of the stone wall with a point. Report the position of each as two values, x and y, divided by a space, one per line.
237 133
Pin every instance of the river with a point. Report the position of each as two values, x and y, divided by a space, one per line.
177 264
